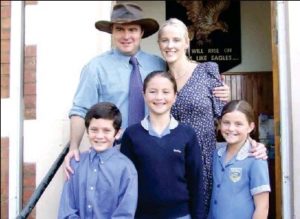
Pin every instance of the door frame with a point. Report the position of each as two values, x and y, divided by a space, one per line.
276 101
282 116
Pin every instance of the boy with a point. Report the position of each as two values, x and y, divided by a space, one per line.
104 184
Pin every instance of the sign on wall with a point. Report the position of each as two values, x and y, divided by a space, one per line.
214 28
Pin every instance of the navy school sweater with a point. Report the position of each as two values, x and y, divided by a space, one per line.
170 181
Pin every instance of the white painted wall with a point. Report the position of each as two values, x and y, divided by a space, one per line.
156 10
66 39
256 37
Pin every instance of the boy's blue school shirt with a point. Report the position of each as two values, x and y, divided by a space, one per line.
104 186
236 182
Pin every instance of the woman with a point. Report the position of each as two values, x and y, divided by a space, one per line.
195 105
201 94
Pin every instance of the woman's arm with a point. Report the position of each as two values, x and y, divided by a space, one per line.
258 150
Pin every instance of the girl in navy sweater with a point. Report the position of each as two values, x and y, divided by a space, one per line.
167 156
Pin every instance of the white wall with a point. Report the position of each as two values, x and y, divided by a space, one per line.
66 39
256 37
156 10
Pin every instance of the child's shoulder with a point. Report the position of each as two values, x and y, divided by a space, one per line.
84 154
257 162
254 163
220 145
186 131
132 129
82 157
186 128
220 148
124 161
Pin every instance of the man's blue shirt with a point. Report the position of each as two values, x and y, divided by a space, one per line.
104 186
106 78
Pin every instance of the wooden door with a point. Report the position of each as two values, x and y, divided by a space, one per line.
276 97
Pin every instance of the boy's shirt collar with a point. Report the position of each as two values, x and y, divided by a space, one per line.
103 155
241 155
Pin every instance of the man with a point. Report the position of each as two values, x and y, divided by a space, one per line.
107 76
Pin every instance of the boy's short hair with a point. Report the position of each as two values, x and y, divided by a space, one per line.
104 110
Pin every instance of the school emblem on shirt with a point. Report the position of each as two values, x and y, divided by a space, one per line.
177 151
235 174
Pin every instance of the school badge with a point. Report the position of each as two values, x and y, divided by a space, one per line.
235 174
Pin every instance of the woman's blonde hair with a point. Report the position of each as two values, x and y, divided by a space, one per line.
179 24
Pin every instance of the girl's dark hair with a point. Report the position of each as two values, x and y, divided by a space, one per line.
162 74
241 106
104 110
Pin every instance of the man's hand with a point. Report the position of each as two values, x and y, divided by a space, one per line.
76 133
67 167
258 150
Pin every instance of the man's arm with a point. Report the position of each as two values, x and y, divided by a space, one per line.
77 129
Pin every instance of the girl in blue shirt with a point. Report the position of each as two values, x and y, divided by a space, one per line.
167 156
240 182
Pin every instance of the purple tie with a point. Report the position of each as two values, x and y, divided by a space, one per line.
136 107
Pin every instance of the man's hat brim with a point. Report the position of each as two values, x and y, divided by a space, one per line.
149 26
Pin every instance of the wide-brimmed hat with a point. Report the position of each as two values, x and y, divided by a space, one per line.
128 13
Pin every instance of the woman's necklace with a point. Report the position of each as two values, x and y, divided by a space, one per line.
180 75
187 71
